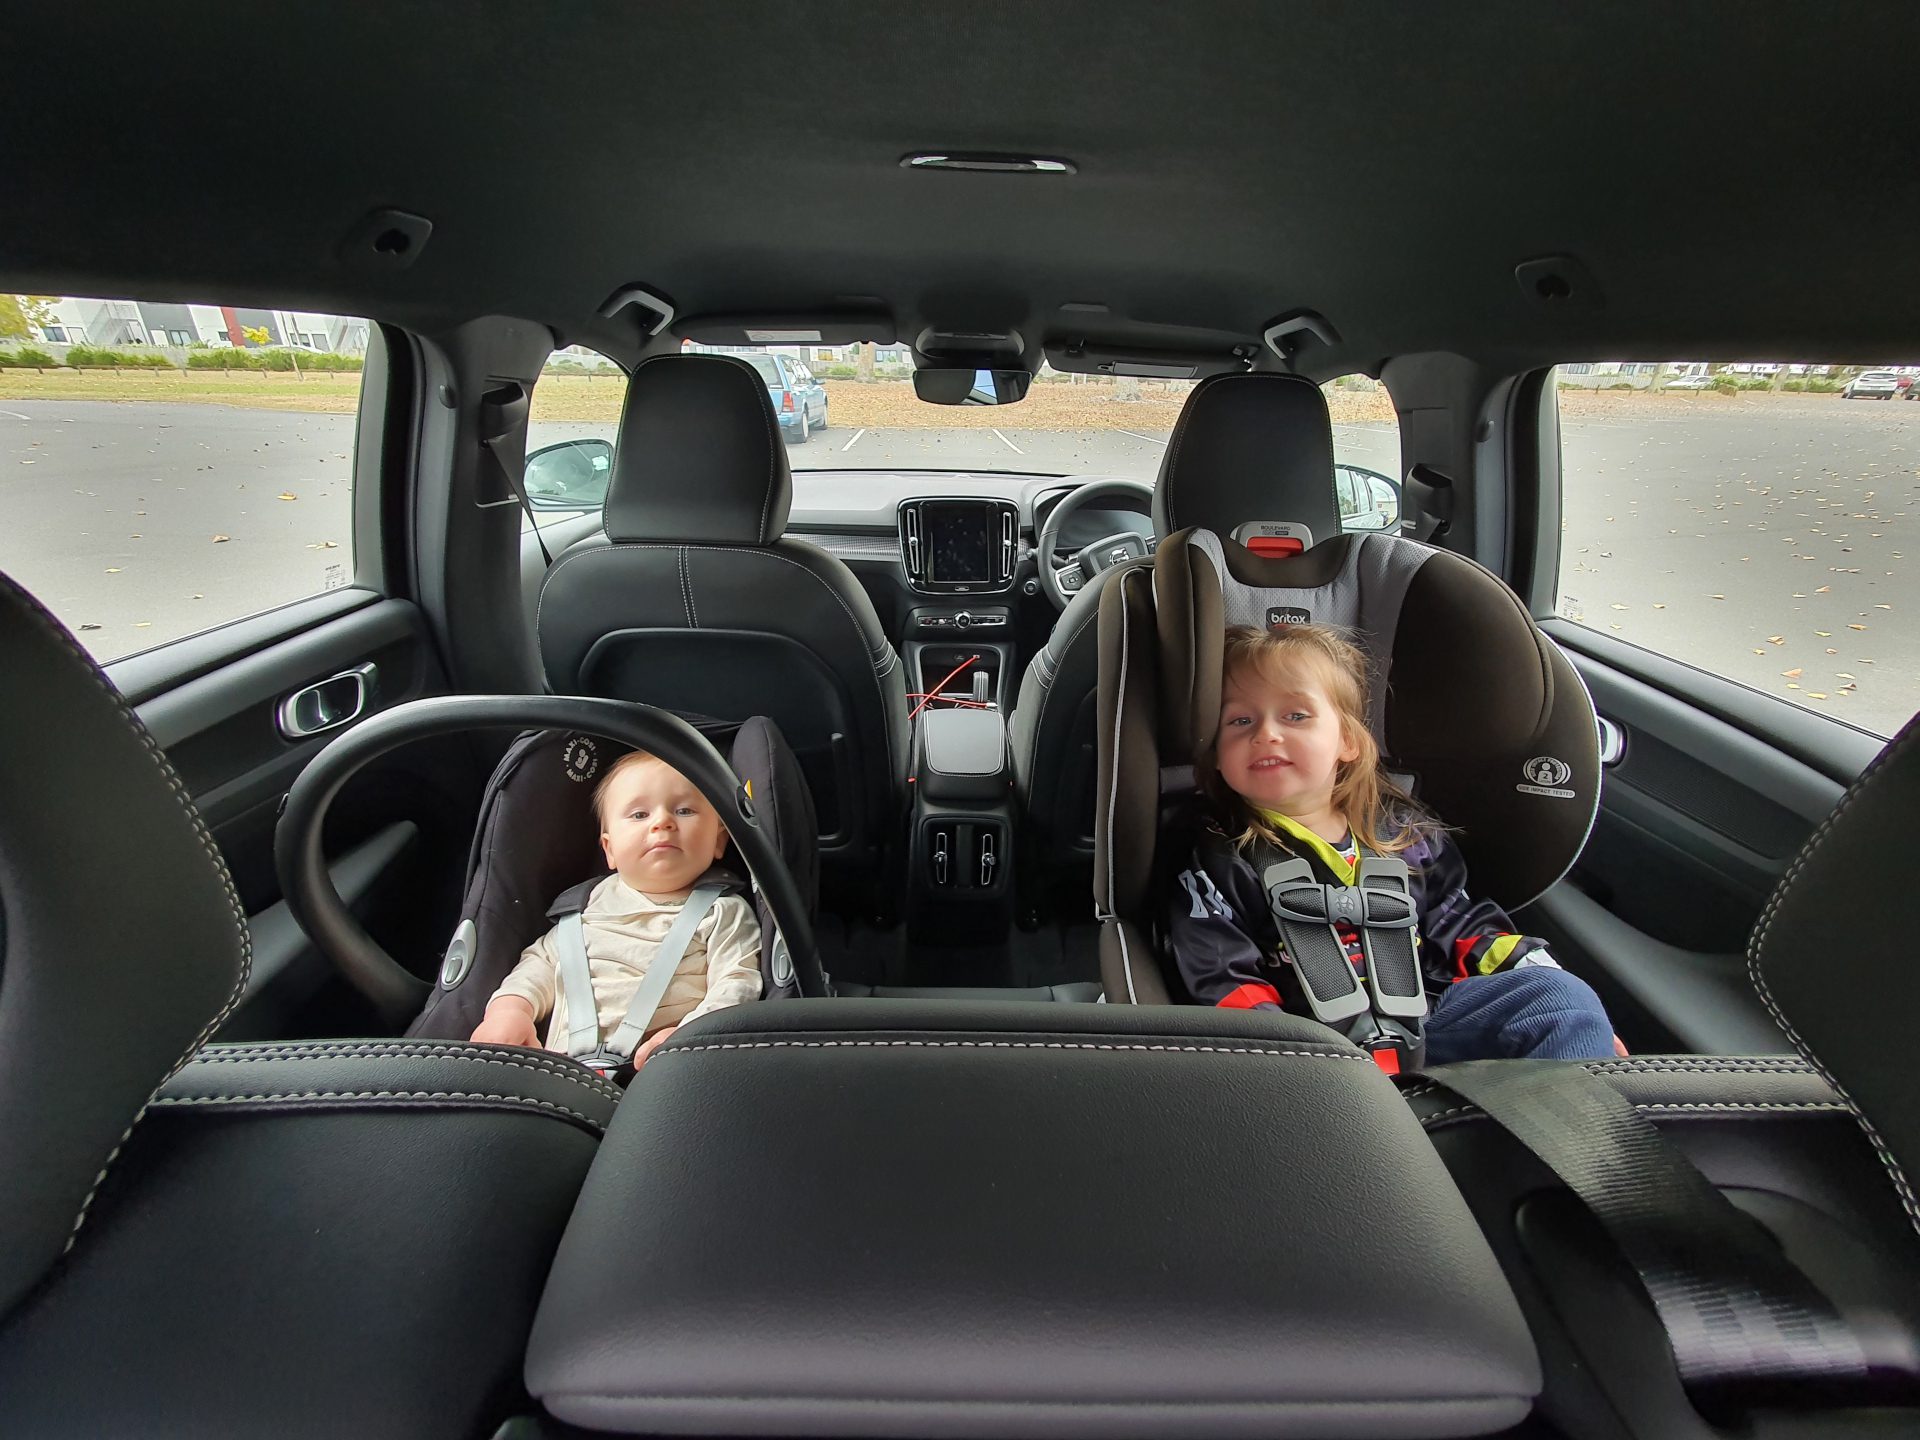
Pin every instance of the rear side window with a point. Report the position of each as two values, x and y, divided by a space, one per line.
1757 521
168 468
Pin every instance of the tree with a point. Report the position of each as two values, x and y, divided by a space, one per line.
18 312
256 334
863 360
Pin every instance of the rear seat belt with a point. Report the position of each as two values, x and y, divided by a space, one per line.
1385 1013
1735 1308
576 979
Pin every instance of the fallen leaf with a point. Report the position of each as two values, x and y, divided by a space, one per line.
89 627
1830 651
1816 694
1619 607
142 624
1792 686
113 569
1659 607
1856 627
288 495
1883 607
1842 675
1776 639
1793 674
221 539
1716 597
1759 652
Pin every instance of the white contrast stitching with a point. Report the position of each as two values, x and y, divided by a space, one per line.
39 613
1168 1047
572 1074
1756 973
310 1097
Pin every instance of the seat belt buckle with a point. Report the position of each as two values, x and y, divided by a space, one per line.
607 1064
1390 1053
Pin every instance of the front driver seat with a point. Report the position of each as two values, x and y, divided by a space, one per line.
692 601
325 1239
1246 447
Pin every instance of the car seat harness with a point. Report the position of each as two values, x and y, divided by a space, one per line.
584 1042
1383 1008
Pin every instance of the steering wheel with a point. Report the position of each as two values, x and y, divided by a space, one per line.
1063 579
396 993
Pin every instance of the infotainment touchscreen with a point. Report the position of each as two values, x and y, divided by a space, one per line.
959 543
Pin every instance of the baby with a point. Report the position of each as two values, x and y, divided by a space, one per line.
660 836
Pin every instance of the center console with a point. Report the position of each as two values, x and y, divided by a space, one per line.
961 870
1055 1221
961 556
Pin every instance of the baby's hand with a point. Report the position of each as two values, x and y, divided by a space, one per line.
651 1044
508 1021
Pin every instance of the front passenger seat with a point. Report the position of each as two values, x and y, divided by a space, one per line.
692 601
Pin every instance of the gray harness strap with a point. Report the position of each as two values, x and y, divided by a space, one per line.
583 1014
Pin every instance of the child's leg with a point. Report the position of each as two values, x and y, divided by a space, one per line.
1535 1012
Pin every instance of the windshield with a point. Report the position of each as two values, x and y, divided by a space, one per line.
852 407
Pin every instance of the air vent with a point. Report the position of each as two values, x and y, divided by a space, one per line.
1008 519
915 550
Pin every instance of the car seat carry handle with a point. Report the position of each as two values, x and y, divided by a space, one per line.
1305 912
576 977
1388 940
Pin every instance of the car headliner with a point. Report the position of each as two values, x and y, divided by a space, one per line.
1384 165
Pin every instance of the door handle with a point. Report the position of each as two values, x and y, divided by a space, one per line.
328 705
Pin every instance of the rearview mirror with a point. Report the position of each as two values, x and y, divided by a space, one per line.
572 475
966 385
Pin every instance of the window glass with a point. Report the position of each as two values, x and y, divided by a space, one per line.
181 471
1754 520
573 425
861 413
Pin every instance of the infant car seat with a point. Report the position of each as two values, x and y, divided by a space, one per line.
537 839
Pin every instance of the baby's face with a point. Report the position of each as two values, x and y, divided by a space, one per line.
657 830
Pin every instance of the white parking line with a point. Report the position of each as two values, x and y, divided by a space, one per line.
17 415
1009 444
1138 436
853 442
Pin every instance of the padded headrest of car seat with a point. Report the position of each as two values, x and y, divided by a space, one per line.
1468 699
700 460
1249 447
1832 956
122 942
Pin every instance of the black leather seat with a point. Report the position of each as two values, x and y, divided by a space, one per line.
231 1240
692 601
1247 447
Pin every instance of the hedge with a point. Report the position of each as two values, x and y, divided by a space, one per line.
26 357
94 357
276 359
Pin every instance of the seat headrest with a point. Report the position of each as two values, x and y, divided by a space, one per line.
700 461
1832 956
122 942
1249 447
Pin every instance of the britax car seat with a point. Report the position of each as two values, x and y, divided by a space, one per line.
536 840
1474 708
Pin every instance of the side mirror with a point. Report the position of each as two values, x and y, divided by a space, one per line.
571 475
965 385
1376 499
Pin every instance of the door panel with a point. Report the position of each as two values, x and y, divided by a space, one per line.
1698 821
397 835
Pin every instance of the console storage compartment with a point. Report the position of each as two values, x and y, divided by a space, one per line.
870 1217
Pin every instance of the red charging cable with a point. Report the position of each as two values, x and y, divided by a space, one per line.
934 694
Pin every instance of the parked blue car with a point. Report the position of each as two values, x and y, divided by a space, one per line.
799 400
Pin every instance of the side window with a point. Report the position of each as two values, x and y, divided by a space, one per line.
1366 453
1756 521
180 469
571 433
